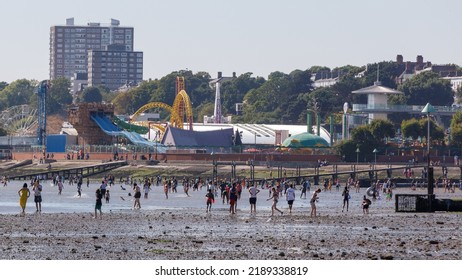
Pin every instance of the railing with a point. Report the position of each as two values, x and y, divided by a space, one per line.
402 108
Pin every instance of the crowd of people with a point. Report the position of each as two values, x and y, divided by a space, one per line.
228 191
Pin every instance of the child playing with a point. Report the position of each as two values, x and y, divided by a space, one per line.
210 199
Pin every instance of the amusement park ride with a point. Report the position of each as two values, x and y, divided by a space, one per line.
96 123
21 120
181 107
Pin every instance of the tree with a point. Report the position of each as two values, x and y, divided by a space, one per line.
326 98
381 129
456 129
414 128
205 109
3 85
388 71
233 91
411 128
3 132
278 99
347 149
458 94
436 132
122 104
365 141
427 87
17 93
58 95
91 94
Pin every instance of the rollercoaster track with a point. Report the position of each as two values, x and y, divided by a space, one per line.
176 117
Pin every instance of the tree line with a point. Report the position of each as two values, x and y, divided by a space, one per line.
280 98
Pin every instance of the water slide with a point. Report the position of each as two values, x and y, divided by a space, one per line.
111 129
130 127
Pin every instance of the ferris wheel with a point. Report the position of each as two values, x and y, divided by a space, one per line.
19 120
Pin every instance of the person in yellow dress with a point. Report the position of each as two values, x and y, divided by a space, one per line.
24 194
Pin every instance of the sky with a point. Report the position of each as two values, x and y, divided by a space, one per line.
257 36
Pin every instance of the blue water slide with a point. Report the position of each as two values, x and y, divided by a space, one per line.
111 129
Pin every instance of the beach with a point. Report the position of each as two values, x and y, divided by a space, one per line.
178 228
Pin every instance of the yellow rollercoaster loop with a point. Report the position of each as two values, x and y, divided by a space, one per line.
176 115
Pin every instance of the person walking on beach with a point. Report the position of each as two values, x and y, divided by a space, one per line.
137 196
146 188
186 186
60 187
314 199
166 189
37 195
107 196
306 187
253 198
79 190
275 198
79 185
346 198
99 203
366 202
210 199
233 199
103 188
290 196
24 194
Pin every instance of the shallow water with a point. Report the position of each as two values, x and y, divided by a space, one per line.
68 201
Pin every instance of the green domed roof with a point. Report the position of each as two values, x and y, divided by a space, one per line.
305 140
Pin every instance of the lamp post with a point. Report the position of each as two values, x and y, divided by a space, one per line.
345 121
375 157
254 152
357 156
156 140
214 170
427 110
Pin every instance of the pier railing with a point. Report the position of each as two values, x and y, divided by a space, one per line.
71 172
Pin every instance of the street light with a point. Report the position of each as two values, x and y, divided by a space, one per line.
214 170
345 121
156 140
375 156
357 156
427 110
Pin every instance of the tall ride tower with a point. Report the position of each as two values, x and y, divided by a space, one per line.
217 107
217 115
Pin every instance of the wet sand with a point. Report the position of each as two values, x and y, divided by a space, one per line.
193 234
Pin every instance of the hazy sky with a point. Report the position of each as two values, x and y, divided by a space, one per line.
259 36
